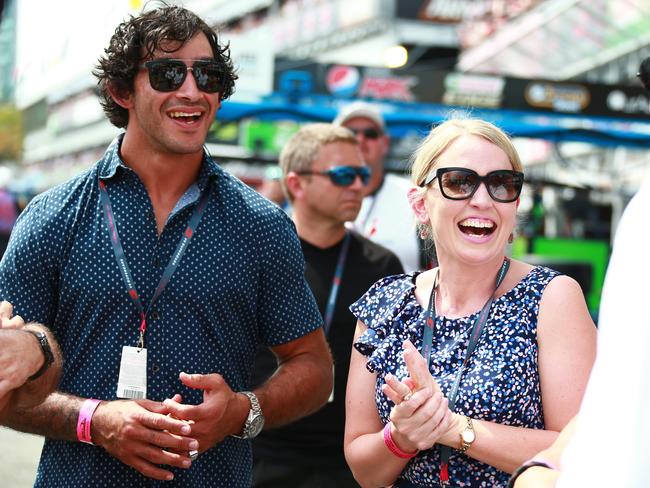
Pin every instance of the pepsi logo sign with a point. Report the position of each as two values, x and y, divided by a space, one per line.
343 81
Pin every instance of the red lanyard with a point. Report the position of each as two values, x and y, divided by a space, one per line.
122 264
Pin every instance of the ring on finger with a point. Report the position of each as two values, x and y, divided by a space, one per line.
408 396
194 455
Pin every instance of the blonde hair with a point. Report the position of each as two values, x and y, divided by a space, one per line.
424 159
299 152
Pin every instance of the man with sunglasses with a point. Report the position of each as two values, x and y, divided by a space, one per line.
381 218
324 177
159 273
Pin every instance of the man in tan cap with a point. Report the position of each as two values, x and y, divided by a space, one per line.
381 218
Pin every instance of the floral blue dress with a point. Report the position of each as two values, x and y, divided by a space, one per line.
500 384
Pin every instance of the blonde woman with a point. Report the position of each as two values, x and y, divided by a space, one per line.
460 373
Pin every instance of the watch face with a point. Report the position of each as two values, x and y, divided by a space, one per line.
255 426
468 436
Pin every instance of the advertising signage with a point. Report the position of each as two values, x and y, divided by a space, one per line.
465 90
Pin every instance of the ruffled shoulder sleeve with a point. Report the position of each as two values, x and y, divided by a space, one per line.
388 309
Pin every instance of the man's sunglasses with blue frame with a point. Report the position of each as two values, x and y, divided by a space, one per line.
503 185
342 175
167 75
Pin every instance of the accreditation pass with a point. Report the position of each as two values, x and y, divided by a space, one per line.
132 382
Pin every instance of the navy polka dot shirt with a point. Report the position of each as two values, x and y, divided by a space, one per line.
240 282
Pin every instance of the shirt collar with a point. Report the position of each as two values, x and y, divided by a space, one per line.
111 162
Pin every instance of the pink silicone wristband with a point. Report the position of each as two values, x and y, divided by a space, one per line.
392 447
85 417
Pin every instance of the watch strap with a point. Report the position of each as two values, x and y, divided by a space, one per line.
464 445
255 403
254 412
48 356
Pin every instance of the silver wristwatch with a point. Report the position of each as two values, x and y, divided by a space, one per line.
255 420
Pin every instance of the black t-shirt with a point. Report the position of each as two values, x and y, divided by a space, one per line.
317 440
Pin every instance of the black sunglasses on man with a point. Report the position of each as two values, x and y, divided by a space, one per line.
368 132
167 75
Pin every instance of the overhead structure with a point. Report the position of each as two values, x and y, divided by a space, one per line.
596 40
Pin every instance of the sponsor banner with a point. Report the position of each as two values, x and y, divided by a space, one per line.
344 81
464 90
473 90
348 81
576 98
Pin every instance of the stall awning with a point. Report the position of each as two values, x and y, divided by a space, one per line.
404 118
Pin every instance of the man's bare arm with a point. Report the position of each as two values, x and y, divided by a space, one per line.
138 433
34 392
21 357
56 417
302 382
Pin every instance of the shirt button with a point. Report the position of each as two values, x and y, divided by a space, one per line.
154 315
155 368
156 262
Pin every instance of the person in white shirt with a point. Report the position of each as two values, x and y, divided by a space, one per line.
607 443
381 218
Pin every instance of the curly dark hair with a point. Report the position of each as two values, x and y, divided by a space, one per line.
139 38
644 73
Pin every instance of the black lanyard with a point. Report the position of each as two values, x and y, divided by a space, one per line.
336 283
477 330
120 257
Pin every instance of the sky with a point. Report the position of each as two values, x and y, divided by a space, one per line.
59 41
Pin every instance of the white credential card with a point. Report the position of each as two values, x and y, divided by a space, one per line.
132 382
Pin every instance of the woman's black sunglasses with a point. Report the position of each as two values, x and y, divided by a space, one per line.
343 175
167 75
503 185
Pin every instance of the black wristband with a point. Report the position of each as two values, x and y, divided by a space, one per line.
48 356
528 464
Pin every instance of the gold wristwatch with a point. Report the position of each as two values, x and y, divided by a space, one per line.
467 436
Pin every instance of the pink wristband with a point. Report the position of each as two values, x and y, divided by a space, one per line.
85 417
392 447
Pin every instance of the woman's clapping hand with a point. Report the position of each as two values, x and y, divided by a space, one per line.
421 413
